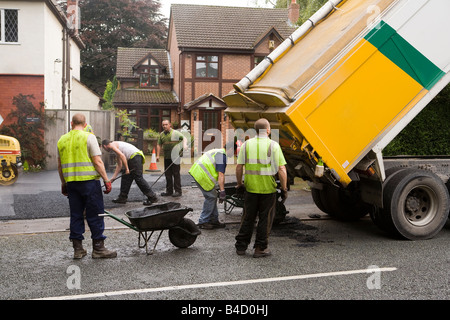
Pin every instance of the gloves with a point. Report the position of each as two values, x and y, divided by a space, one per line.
240 190
284 195
108 187
222 196
64 189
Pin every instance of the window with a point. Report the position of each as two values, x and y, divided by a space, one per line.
207 67
258 59
9 26
157 116
149 78
149 117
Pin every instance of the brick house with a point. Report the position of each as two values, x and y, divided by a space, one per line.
40 56
209 49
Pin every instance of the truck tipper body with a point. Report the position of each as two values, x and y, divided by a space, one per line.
339 90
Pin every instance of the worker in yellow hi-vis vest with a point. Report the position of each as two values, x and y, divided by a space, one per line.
209 173
80 166
261 158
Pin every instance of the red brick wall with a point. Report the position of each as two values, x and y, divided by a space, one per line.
12 85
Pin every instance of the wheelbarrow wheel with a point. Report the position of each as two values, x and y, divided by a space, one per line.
184 234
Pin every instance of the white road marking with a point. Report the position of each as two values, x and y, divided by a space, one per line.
218 284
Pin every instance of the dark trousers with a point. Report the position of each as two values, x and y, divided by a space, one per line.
86 195
173 179
136 171
261 206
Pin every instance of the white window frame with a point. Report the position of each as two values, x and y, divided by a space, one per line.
2 26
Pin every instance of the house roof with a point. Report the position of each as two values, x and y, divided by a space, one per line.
220 27
127 58
141 96
207 96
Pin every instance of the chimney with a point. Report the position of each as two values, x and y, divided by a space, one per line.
73 16
294 12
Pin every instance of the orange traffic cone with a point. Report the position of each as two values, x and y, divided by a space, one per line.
153 167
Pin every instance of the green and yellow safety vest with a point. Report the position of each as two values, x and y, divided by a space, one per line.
204 170
262 158
75 161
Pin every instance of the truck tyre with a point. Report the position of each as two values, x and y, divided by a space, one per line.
416 204
378 216
317 198
342 204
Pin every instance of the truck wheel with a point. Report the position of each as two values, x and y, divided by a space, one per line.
343 204
378 215
416 204
317 198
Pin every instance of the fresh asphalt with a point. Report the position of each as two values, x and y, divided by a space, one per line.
37 195
314 257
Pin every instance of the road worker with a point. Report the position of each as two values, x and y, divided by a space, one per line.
80 166
208 173
131 161
262 158
169 141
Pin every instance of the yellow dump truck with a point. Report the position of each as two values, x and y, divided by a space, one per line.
339 90
10 160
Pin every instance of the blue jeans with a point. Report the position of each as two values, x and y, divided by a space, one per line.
210 213
86 195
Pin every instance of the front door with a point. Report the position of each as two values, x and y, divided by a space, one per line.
210 120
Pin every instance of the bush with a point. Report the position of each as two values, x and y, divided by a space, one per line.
428 134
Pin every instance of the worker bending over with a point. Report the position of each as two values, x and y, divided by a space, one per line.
131 159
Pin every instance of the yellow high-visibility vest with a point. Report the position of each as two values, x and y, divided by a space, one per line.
75 161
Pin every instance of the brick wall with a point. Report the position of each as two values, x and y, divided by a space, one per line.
12 85
235 66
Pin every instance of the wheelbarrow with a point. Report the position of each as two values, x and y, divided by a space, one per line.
235 199
159 217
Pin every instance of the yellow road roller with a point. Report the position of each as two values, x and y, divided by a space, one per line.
10 160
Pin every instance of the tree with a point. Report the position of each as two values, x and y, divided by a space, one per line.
28 128
107 25
111 87
307 7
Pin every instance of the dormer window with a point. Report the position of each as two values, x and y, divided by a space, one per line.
149 71
149 77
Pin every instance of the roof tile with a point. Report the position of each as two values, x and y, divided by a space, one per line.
221 27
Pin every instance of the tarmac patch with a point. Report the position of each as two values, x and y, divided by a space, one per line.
306 235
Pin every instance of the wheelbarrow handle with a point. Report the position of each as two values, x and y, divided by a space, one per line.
109 214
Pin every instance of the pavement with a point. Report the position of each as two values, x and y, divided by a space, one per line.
299 203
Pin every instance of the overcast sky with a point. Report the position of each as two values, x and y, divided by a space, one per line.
165 4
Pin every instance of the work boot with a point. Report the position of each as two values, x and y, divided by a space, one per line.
206 226
150 199
218 225
121 199
259 253
99 250
176 194
166 194
78 250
